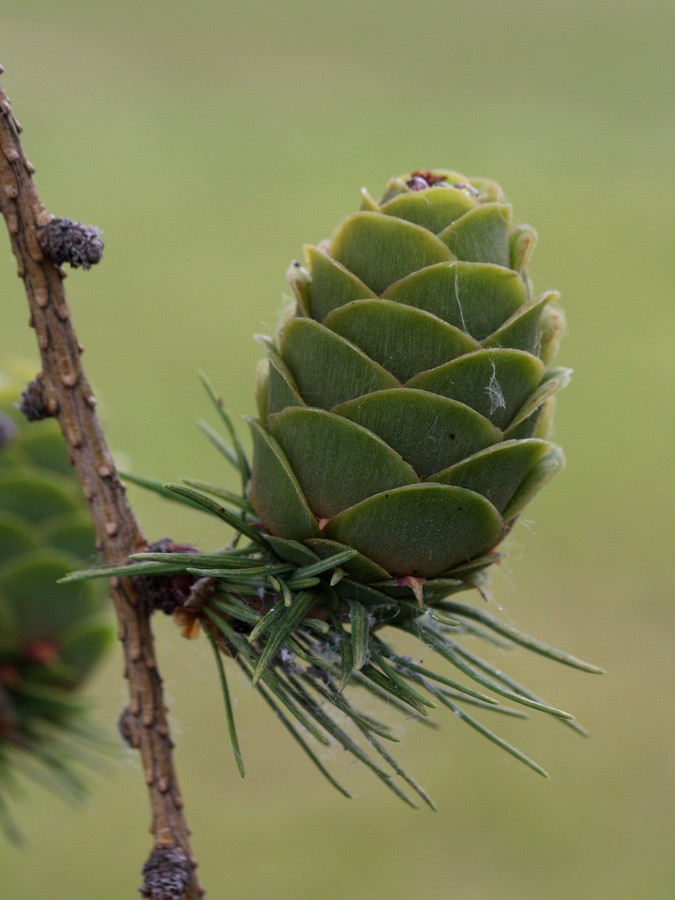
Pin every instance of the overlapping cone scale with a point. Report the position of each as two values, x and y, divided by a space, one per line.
404 408
51 635
406 401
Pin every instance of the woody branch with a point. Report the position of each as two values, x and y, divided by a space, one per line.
69 398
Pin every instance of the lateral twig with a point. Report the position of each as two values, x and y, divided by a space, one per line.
69 398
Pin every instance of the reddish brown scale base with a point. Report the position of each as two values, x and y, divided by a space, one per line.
44 652
426 175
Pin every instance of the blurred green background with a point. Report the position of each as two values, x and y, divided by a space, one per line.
210 140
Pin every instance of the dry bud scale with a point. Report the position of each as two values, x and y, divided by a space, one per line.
404 411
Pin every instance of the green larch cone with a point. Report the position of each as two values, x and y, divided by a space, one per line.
404 411
51 635
405 405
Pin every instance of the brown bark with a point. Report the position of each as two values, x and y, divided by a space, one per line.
70 399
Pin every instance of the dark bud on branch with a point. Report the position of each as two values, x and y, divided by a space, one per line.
65 241
34 404
165 593
166 874
126 726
